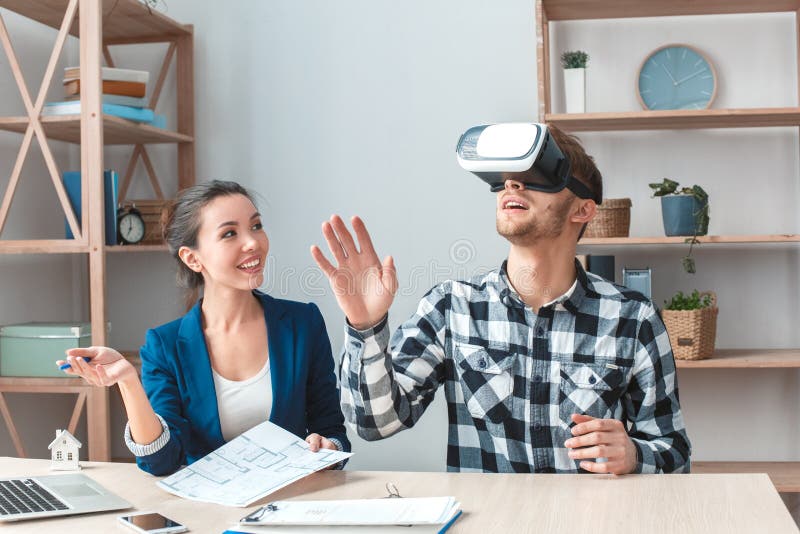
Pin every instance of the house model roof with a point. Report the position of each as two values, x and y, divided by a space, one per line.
62 435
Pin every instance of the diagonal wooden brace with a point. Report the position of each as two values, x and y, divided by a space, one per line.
34 122
12 429
140 150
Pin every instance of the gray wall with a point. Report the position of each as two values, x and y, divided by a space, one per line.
356 108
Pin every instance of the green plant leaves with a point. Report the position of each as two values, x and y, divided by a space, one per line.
702 215
576 59
689 265
667 187
694 301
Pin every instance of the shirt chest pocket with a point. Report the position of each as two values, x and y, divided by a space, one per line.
487 382
592 389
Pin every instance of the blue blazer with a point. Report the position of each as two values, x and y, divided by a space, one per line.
176 374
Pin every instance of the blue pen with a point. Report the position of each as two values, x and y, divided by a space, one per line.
68 366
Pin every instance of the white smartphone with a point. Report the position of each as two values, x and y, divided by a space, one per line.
151 523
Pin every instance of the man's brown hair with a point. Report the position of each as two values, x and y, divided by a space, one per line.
583 166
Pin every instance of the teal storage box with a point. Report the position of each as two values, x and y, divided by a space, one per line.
31 349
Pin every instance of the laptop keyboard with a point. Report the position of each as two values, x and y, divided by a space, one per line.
23 496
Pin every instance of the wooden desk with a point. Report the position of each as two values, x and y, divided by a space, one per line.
648 504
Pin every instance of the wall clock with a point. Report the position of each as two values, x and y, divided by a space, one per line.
677 76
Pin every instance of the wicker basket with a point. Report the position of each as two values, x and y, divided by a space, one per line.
613 219
692 333
152 212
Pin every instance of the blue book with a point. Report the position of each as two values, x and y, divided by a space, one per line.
159 121
72 183
73 107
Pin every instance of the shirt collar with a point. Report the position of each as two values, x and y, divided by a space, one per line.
571 300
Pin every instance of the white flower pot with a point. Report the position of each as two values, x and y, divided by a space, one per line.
575 90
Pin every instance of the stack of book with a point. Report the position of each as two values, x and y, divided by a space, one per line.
123 95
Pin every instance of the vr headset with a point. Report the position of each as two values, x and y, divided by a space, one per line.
524 152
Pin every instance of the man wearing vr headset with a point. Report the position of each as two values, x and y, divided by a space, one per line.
546 368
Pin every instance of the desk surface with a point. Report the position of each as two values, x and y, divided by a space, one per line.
650 504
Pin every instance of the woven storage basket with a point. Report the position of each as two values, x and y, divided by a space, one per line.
152 212
613 219
692 333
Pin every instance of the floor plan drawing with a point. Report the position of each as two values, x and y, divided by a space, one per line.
255 464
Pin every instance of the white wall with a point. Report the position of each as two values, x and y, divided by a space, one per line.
355 107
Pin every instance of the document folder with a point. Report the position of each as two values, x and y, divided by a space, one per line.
428 514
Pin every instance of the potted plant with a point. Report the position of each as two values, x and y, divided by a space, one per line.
691 323
574 64
684 212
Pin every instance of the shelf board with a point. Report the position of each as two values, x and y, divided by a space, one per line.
24 384
746 359
784 475
41 246
136 248
123 20
708 239
675 119
116 131
67 246
31 384
611 9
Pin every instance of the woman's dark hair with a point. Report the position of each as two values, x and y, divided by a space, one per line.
181 225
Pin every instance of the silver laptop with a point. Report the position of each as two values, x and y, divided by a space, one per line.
54 495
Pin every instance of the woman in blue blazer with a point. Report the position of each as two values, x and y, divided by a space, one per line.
237 358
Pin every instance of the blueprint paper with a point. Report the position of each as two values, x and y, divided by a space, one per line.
262 460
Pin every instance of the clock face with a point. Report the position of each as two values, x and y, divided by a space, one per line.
677 77
131 228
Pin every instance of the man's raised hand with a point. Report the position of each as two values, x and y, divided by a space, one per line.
364 286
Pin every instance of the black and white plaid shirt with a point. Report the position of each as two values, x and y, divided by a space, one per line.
512 377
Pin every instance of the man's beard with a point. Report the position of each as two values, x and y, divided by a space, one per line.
535 229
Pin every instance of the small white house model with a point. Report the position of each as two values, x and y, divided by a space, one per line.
64 452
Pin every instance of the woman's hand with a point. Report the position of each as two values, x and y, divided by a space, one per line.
105 367
364 287
317 442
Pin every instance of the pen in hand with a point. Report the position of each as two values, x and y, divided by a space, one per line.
65 366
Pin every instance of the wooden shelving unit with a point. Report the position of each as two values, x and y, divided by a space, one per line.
746 359
98 24
785 475
123 22
675 120
133 249
616 9
708 239
42 246
116 131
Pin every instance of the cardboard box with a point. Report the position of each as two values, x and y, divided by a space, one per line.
31 349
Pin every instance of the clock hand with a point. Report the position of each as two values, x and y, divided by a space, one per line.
669 74
690 76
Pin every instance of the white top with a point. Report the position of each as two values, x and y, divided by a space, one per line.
243 404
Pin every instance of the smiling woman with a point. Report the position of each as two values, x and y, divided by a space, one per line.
264 358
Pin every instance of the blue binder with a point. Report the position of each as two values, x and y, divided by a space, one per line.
72 183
